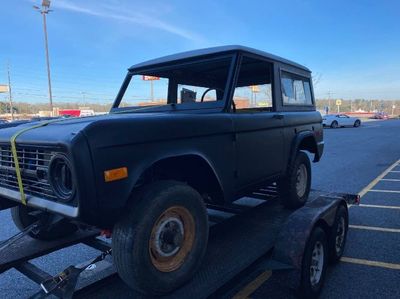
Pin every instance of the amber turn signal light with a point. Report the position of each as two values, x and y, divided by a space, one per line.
115 174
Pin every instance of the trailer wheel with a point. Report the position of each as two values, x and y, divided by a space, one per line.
337 239
314 264
23 216
160 242
295 186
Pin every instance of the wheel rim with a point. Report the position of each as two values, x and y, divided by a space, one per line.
334 124
317 263
172 238
301 180
340 235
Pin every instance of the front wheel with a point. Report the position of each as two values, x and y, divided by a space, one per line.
294 188
314 264
160 242
334 124
357 123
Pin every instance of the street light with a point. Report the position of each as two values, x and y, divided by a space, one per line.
44 11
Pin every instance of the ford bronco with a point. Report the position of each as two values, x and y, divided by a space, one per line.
206 126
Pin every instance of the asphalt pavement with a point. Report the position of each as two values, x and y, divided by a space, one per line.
353 158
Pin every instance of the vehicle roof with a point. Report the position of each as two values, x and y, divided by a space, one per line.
215 50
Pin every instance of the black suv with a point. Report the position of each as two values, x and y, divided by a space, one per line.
206 126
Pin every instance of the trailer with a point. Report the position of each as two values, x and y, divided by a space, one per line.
247 237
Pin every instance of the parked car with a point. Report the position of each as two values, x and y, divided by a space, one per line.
340 120
147 169
381 115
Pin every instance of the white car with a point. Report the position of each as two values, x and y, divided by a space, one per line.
340 120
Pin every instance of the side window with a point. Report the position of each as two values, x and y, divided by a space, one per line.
253 90
295 90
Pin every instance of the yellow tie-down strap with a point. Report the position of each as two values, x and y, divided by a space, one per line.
15 155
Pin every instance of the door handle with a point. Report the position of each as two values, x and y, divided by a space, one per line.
278 116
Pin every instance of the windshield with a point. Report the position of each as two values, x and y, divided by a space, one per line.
197 83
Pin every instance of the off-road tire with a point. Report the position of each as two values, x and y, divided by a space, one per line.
338 235
22 219
307 289
133 238
287 185
334 124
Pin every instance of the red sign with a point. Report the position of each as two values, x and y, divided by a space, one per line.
150 78
70 112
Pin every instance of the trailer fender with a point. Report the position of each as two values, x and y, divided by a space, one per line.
292 239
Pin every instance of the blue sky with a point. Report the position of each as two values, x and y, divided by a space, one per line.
352 46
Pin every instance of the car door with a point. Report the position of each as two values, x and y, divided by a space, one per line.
345 120
258 129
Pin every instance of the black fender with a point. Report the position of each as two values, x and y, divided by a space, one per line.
292 239
296 145
142 168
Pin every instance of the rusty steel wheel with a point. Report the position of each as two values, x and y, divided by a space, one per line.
160 241
171 239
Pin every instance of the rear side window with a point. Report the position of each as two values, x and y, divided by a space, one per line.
296 90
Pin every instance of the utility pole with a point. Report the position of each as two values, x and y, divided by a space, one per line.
9 92
393 107
329 100
44 11
83 96
152 90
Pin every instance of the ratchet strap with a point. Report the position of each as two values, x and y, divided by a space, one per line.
15 155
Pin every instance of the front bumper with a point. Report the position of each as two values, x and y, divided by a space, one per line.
41 203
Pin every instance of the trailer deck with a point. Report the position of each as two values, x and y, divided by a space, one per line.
241 241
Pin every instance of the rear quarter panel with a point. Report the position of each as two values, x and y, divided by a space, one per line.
300 121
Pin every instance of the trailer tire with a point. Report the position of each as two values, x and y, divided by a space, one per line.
22 218
314 264
338 235
294 188
160 242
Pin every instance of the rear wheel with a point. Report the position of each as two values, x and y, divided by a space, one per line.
24 216
160 242
295 186
357 123
314 264
334 124
338 234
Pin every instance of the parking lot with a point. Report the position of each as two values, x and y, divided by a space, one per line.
365 161
361 160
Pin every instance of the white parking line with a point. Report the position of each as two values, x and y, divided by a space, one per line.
375 228
378 206
391 180
384 191
395 171
370 263
378 178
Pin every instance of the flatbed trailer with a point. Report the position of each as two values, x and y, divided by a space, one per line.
252 235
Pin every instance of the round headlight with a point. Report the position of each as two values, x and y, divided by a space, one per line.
61 178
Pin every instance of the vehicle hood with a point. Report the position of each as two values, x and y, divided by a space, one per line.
117 129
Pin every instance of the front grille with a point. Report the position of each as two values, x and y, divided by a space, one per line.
34 165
